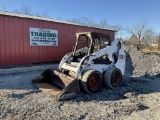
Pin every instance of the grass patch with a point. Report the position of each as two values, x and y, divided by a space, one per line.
151 50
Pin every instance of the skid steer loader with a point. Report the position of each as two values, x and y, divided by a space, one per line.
95 60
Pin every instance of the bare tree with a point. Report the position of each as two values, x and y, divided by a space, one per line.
138 29
158 38
149 36
75 20
41 14
90 22
16 11
133 39
38 14
83 21
26 10
103 24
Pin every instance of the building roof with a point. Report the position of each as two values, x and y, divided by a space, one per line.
42 18
33 17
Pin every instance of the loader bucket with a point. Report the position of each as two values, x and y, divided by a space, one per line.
58 85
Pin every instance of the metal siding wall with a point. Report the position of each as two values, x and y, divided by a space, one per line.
11 42
54 52
25 42
34 50
7 40
49 50
2 42
42 49
14 40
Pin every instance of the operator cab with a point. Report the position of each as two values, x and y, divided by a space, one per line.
88 43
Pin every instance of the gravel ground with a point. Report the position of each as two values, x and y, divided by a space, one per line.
137 98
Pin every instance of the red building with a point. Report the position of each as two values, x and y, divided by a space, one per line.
15 34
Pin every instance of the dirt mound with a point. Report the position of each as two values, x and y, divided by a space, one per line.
142 64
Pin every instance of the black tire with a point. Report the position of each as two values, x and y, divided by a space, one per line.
91 81
112 78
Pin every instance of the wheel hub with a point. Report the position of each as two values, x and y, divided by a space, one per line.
116 79
93 82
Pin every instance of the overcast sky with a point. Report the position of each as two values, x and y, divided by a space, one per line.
122 12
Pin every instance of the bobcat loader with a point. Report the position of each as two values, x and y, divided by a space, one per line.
95 60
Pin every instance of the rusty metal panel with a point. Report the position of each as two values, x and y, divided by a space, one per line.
14 40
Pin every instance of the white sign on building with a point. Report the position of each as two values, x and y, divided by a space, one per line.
43 37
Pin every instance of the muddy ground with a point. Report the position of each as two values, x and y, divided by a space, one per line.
137 98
